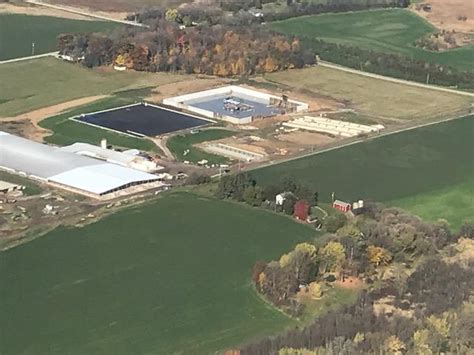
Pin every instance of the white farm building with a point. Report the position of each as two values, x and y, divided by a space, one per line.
64 169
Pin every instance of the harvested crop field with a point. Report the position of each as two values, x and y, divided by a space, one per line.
450 15
390 102
117 5
172 276
430 166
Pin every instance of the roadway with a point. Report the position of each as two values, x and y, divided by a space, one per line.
50 54
84 13
394 80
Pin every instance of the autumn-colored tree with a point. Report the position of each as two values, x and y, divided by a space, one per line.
395 346
333 256
378 255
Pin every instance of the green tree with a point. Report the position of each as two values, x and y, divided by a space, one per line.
253 196
289 204
333 256
334 222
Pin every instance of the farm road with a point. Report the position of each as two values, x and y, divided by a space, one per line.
394 80
50 54
84 13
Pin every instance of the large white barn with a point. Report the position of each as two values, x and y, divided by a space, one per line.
81 174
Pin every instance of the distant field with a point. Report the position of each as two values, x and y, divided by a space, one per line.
373 97
30 85
180 143
18 32
392 31
169 277
117 5
428 171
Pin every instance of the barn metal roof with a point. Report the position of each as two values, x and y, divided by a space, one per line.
65 168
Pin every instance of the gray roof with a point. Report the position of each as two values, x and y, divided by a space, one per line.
65 168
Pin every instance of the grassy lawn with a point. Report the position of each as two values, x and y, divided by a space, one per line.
372 97
393 31
31 85
66 131
180 143
424 170
169 277
41 30
453 203
332 298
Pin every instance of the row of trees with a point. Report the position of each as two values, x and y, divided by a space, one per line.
244 188
395 65
215 50
295 8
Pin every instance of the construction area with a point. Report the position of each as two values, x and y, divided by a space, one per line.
236 104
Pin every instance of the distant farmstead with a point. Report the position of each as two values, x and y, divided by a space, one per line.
342 206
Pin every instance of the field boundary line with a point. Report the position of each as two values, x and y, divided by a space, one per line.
180 112
358 141
85 13
109 109
393 80
31 57
74 118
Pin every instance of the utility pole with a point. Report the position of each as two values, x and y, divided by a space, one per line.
427 78
33 48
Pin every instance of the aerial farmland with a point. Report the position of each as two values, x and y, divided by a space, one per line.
277 178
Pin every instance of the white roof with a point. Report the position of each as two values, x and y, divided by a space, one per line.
100 153
66 168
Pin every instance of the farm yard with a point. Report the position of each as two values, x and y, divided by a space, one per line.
392 31
427 167
45 82
40 30
172 275
182 143
390 102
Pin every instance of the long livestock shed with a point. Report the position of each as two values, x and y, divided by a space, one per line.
67 170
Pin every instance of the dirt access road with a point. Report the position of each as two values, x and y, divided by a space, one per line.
84 12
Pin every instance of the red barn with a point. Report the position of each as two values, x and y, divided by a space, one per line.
301 210
342 206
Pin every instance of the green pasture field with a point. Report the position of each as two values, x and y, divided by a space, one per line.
172 276
65 131
391 102
180 143
391 31
30 85
427 170
18 32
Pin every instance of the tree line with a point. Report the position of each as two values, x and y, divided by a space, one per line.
394 65
295 8
412 266
222 50
243 187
